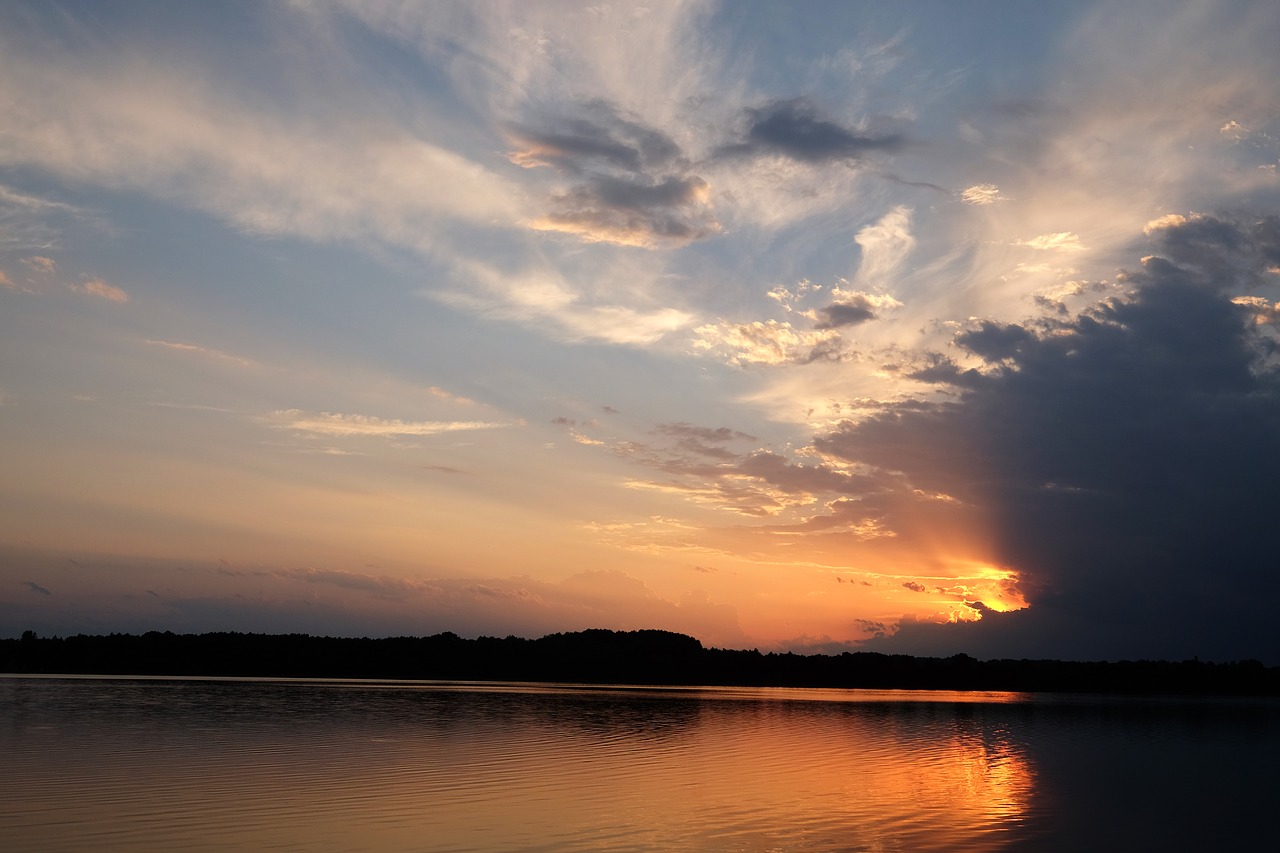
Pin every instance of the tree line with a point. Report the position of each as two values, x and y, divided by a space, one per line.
599 656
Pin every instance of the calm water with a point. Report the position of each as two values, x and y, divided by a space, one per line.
161 764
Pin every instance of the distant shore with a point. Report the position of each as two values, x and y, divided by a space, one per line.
601 656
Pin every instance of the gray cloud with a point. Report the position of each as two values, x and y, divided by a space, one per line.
716 435
36 588
994 341
757 483
1127 462
601 136
793 128
849 313
631 183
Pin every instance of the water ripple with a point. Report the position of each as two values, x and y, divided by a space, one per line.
149 765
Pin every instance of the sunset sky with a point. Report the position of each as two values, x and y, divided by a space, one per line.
916 327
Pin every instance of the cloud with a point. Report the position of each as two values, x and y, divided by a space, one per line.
884 245
40 264
31 222
632 185
379 586
36 588
601 136
779 342
216 355
337 424
450 397
1066 241
141 120
672 211
768 342
716 435
1126 461
857 310
981 194
545 299
1265 312
703 466
5 281
794 128
99 288
993 341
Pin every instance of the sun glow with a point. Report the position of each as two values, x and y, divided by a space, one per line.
963 592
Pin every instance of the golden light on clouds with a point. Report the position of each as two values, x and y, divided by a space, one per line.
494 292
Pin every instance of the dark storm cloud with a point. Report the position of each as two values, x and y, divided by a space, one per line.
940 370
794 128
994 341
1128 461
1220 246
631 183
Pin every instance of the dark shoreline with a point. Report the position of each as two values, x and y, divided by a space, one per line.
607 657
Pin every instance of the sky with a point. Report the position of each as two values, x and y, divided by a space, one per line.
919 328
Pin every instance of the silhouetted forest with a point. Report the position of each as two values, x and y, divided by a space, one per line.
606 657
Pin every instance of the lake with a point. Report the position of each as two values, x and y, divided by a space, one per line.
151 764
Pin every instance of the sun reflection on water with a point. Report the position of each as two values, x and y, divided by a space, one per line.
243 766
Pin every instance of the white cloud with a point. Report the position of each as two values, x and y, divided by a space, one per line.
450 397
650 63
1065 241
769 342
338 424
885 244
121 121
1234 131
545 298
981 194
1162 223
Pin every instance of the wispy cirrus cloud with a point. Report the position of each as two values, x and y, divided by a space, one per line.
163 127
31 222
206 352
345 425
981 194
560 308
1063 241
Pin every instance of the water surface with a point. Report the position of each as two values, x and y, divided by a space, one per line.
240 764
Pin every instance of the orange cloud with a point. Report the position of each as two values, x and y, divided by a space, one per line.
99 288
